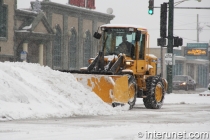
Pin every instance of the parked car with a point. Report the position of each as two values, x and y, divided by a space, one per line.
184 82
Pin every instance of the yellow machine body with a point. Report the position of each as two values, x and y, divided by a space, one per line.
120 77
110 88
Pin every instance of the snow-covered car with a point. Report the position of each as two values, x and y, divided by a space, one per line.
184 82
209 86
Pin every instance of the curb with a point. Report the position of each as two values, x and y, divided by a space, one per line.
204 94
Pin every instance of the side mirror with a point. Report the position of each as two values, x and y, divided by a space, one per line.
138 35
97 35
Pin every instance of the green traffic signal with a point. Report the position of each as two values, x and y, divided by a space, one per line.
150 12
151 7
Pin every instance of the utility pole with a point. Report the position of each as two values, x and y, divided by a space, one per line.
198 28
170 43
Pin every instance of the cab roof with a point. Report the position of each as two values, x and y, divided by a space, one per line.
139 27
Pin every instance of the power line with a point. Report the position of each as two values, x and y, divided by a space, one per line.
190 16
178 29
191 39
184 14
185 24
190 29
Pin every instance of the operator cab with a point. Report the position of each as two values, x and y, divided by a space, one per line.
122 39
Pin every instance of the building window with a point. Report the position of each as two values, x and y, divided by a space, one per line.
3 19
72 49
202 79
87 48
178 68
190 70
57 48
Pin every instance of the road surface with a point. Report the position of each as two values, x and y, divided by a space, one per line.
126 125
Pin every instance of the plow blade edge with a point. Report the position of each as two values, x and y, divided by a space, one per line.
110 88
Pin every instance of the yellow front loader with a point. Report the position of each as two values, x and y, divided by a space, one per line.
124 70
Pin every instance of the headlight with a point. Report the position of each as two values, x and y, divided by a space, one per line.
128 63
183 83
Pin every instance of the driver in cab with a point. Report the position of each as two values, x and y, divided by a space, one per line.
126 47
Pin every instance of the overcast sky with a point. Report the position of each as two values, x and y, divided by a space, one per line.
136 12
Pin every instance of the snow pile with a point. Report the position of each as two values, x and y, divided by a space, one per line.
205 93
32 91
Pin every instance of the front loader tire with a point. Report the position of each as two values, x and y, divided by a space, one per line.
132 88
155 93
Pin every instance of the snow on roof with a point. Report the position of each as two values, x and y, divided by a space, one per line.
204 60
151 55
22 31
180 56
28 10
27 27
124 26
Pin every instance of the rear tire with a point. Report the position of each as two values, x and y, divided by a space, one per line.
132 88
155 93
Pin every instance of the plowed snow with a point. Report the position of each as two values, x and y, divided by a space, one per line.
33 91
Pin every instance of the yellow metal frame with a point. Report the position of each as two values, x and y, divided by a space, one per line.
110 88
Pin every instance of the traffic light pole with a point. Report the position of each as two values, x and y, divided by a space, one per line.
170 43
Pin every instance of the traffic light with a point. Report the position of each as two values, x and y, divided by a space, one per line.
178 41
163 20
161 42
151 7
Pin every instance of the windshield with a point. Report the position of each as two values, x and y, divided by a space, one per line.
119 41
180 78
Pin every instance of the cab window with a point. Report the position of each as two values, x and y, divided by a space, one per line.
142 47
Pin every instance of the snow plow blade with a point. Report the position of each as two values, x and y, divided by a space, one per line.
110 88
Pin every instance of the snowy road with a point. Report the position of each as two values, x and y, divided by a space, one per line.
125 126
31 94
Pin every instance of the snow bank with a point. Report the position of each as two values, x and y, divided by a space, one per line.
187 98
205 93
182 98
33 91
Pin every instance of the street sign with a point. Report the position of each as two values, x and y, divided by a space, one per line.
168 59
197 45
196 51
23 55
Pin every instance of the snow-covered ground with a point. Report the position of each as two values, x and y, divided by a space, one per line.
44 104
32 91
